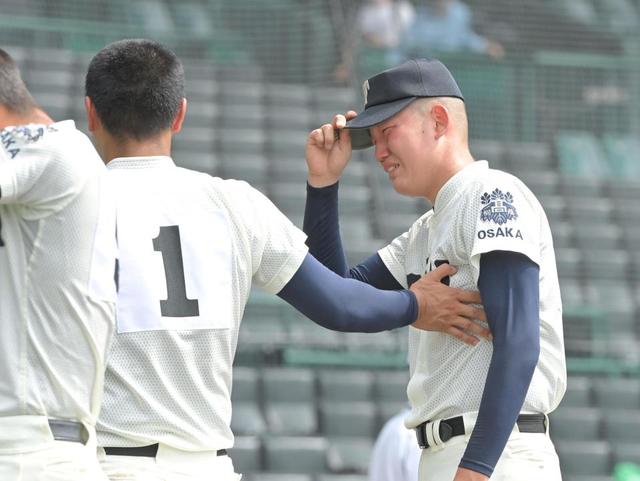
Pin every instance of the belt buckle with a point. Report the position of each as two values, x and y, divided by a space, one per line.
421 436
433 433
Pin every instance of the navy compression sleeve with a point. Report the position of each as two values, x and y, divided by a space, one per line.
509 286
323 229
323 238
346 305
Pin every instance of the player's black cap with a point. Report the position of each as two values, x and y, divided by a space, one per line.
388 92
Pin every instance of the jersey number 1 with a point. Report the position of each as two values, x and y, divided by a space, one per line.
176 304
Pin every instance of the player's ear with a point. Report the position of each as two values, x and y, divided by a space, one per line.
440 117
177 122
93 120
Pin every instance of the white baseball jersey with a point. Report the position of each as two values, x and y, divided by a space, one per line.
57 291
478 210
395 455
190 246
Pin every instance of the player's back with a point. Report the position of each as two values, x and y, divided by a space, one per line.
190 246
57 296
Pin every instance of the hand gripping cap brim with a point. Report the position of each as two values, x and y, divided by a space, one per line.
359 127
388 92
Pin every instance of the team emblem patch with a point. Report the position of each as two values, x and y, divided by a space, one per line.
498 207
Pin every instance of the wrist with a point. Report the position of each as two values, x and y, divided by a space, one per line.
320 181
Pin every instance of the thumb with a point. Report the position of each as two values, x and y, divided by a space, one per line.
441 272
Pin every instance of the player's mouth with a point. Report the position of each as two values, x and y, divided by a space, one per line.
391 169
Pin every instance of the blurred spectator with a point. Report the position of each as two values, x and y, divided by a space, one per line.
445 26
378 29
395 455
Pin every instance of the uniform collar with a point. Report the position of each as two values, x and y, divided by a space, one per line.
150 162
452 187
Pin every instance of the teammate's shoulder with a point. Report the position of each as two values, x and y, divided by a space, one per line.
59 137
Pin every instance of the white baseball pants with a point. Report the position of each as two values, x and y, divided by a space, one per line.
28 452
526 457
169 465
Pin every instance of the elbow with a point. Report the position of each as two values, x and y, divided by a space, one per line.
522 354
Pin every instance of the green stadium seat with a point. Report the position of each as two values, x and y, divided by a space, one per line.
623 155
604 477
555 207
288 197
345 386
622 426
291 418
492 151
581 189
626 211
579 393
388 409
201 112
247 419
626 452
348 419
568 261
262 332
241 141
597 236
587 210
534 157
349 455
342 477
196 139
191 18
615 297
288 385
606 263
241 116
246 385
295 454
580 154
246 454
287 95
575 424
617 393
277 477
287 170
592 458
571 291
618 15
305 333
253 168
391 385
541 182
206 162
151 17
289 142
287 117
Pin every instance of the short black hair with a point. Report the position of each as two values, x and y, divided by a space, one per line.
136 86
13 92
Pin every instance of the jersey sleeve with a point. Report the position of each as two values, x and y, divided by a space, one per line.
394 255
498 215
41 178
277 246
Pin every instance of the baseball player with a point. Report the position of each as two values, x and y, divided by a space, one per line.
395 455
189 248
57 294
478 411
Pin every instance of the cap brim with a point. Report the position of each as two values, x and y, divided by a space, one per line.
359 127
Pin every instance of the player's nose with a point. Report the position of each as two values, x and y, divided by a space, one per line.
381 151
